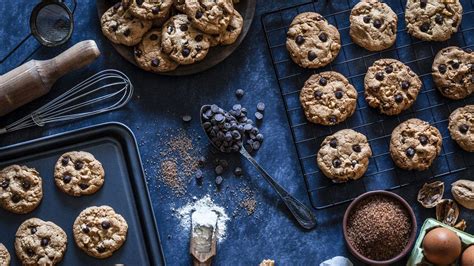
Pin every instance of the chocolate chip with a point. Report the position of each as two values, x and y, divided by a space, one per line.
67 179
366 19
16 198
388 69
199 175
155 62
44 242
318 94
114 28
356 148
65 161
425 27
239 93
377 23
86 229
258 115
219 180
33 230
137 52
423 140
139 2
186 52
30 252
261 106
153 37
323 81
439 19
442 68
83 186
299 39
198 14
170 29
5 183
199 38
336 163
333 143
126 33
398 98
323 37
183 27
379 76
423 3
230 28
339 94
354 163
105 224
117 5
332 119
26 185
463 128
410 152
238 171
78 165
100 249
219 170
312 55
155 10
405 84
455 64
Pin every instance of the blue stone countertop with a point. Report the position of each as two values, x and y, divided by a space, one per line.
156 110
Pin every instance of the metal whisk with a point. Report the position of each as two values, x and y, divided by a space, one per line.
110 87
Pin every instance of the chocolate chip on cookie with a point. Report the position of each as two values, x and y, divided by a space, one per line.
311 41
391 86
453 72
415 144
328 98
373 25
21 189
344 156
461 127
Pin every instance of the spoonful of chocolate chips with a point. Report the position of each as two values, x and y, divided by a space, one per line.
228 131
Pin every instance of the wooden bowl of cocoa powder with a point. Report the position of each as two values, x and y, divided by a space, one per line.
379 228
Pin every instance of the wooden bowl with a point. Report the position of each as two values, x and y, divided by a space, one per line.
216 54
411 215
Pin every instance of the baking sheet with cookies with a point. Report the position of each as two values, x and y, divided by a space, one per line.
124 190
353 62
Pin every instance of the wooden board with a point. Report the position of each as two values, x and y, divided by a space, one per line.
216 54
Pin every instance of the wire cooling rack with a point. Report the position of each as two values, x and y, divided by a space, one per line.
353 62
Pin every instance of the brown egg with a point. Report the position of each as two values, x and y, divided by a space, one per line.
441 246
467 258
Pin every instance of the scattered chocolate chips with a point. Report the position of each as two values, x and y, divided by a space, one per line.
238 171
323 37
155 62
219 180
439 19
312 55
377 23
239 93
425 27
299 39
405 85
323 81
379 76
442 68
366 19
423 140
333 143
463 128
336 163
186 52
258 115
356 148
105 224
219 170
65 161
410 152
5 183
44 242
261 106
398 98
78 165
186 118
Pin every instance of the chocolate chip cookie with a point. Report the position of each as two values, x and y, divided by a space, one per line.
415 144
4 256
40 243
461 127
148 9
433 20
328 98
311 41
182 42
373 25
453 72
78 173
21 189
344 156
149 55
99 231
121 27
210 16
391 86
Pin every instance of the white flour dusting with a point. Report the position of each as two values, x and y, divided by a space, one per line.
204 212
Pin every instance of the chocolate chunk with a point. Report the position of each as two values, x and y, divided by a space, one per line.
26 185
423 140
425 27
114 27
258 115
299 39
170 29
455 64
137 52
44 242
186 52
155 62
239 93
439 19
155 10
312 55
198 15
377 23
332 119
336 163
219 180
85 230
199 175
105 224
323 81
463 128
67 179
318 94
153 37
83 186
100 249
230 28
78 165
388 69
33 230
16 198
333 143
127 32
405 84
323 37
139 2
379 76
183 27
398 98
354 163
356 148
442 68
199 38
366 19
423 3
410 152
5 183
65 161
339 94
219 170
261 106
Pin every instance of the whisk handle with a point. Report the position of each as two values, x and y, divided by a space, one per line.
78 56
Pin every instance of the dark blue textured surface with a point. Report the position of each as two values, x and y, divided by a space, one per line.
157 107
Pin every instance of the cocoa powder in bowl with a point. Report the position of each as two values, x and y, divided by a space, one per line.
379 227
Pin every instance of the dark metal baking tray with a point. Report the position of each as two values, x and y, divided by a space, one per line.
124 189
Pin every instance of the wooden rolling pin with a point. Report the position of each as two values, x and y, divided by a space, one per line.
35 78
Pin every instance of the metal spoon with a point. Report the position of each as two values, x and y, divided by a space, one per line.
301 212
